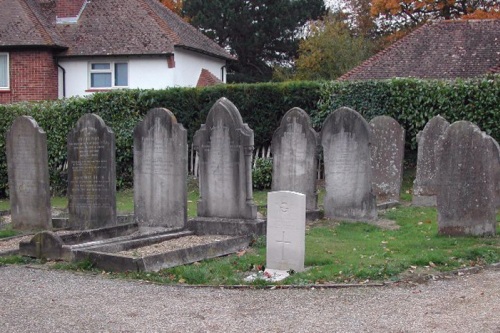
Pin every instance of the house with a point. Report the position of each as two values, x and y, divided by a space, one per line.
52 49
438 50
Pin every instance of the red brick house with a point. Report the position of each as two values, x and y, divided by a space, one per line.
439 50
51 49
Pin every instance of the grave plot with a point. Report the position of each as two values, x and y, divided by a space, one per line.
162 251
158 238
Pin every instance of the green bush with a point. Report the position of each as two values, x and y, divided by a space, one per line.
262 173
413 102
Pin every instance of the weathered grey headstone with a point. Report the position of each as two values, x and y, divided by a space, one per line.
91 174
496 165
286 230
160 171
424 186
345 138
387 152
467 173
294 147
225 145
28 173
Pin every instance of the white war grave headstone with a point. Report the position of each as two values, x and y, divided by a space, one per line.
286 227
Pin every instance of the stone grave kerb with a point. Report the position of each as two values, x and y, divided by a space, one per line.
295 170
28 175
160 170
424 185
91 174
348 174
387 157
467 174
225 146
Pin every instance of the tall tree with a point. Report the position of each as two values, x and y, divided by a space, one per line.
261 33
400 14
331 49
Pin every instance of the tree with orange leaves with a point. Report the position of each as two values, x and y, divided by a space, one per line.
173 5
400 14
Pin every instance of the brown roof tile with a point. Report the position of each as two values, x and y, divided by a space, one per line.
105 27
439 50
207 79
130 27
22 23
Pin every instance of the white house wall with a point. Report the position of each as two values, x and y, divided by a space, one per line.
143 73
188 66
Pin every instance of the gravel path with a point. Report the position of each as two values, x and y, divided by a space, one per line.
37 300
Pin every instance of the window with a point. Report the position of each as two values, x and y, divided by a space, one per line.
108 74
4 71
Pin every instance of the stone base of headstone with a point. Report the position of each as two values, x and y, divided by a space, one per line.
459 228
388 204
424 200
269 275
225 226
313 215
63 222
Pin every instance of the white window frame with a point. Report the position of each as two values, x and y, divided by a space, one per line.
8 71
111 71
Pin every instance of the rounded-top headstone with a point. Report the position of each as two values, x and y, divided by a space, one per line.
345 138
467 181
387 152
28 173
424 186
225 146
160 171
91 174
294 147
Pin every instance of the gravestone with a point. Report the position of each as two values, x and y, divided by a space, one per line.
345 138
424 186
294 147
28 173
91 174
225 145
286 228
160 171
467 171
387 152
496 165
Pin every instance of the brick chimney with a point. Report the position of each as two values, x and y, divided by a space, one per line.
68 11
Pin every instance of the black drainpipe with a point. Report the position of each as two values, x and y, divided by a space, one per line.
222 73
64 78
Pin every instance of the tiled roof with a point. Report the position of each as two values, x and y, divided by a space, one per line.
207 79
22 23
105 27
439 50
130 27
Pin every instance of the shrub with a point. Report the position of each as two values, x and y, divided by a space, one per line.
262 173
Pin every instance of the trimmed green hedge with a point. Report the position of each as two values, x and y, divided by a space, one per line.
261 106
412 102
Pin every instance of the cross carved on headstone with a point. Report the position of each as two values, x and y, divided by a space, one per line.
283 243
